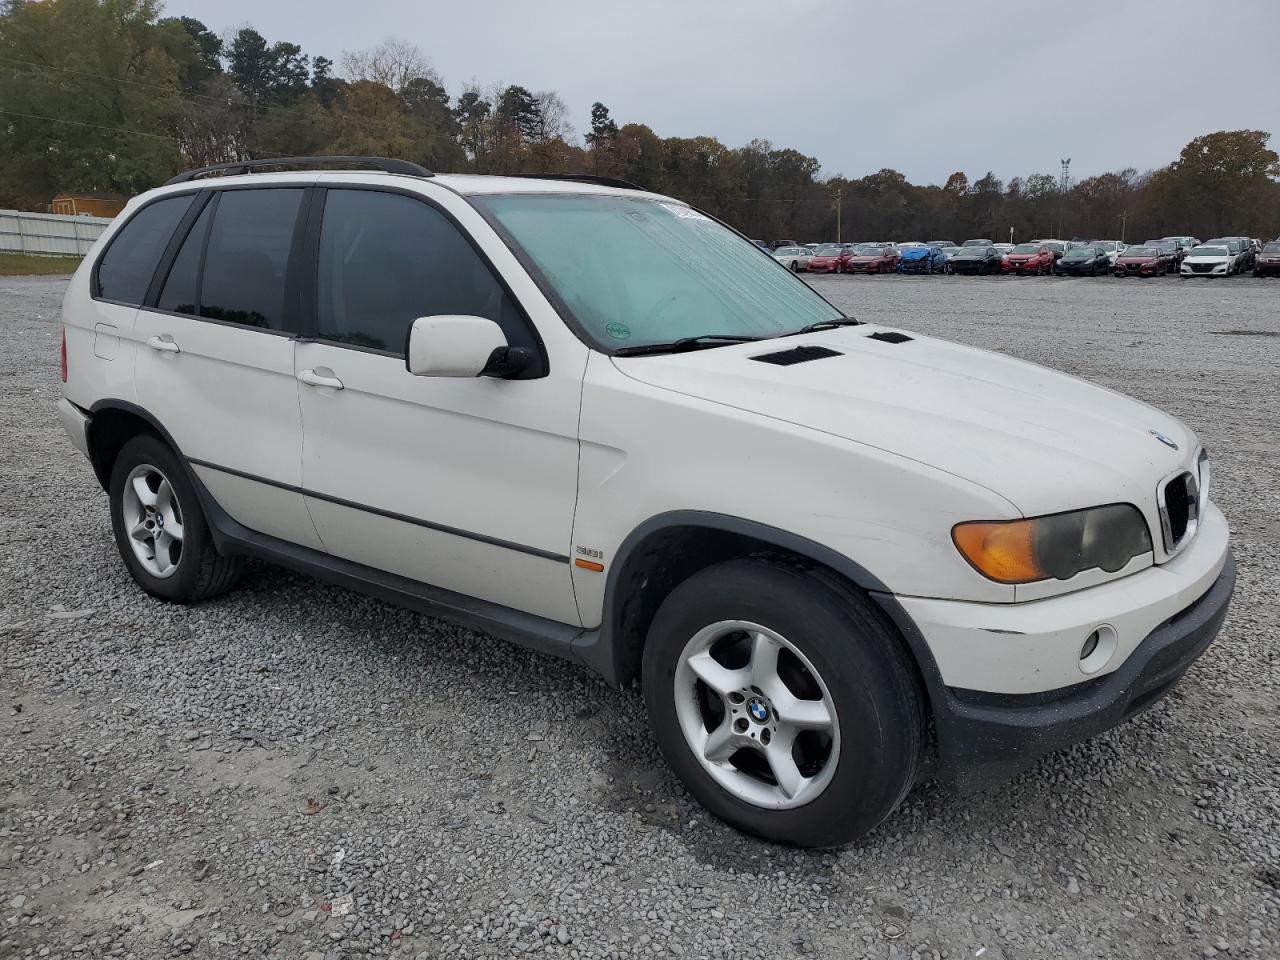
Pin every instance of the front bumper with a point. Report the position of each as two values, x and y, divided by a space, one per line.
984 739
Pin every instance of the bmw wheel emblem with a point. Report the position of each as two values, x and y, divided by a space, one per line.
1168 442
759 710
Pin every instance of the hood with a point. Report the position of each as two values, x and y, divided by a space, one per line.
916 253
1043 440
1202 258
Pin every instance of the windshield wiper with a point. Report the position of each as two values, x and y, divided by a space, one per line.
684 344
827 325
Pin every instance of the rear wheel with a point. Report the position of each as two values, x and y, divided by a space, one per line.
160 529
785 703
795 266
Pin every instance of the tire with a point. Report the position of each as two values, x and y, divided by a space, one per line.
795 266
191 571
865 682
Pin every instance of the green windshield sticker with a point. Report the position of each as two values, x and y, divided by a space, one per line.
619 331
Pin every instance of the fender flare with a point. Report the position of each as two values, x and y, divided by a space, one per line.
125 406
606 652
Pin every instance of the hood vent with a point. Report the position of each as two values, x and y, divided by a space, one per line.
785 358
890 336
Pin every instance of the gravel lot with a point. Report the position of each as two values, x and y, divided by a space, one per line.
296 771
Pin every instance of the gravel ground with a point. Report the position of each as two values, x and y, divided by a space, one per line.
297 771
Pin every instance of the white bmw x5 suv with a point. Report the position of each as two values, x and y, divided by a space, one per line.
837 558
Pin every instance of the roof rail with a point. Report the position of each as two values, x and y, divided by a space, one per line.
583 178
382 164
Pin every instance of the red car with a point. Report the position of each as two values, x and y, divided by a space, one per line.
830 258
872 258
1268 262
1029 258
1142 262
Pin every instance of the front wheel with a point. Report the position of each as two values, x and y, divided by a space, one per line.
795 266
784 701
160 529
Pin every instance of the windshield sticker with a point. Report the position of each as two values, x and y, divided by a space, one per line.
684 213
619 331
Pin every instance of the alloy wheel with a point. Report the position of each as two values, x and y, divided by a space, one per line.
153 520
756 714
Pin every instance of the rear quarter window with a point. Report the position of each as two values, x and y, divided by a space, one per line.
126 267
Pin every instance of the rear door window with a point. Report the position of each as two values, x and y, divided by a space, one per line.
246 259
129 263
179 294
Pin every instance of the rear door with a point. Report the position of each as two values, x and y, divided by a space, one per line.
464 484
215 354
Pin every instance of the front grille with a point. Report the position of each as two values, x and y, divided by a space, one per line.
1178 499
1201 267
1177 506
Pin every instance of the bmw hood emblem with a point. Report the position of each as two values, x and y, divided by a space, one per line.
1167 441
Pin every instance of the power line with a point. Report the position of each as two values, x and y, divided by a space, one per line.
132 133
95 126
219 101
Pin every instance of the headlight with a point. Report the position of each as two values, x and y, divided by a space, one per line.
1054 547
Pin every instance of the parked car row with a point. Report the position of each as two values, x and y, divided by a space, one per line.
1185 256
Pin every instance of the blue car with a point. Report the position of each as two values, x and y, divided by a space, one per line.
922 260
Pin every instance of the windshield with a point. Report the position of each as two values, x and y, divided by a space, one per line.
977 243
1106 245
1271 248
868 250
951 251
789 252
1027 248
1141 252
1210 252
830 250
976 251
632 271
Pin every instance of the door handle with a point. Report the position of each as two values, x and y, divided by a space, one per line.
315 379
164 344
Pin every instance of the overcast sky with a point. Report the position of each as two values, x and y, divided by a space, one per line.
924 87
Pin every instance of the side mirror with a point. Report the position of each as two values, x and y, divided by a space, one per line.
461 346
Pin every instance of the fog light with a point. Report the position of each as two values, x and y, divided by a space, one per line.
1098 648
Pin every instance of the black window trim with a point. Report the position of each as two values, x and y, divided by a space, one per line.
95 284
310 274
211 194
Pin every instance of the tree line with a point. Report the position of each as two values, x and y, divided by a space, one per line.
108 96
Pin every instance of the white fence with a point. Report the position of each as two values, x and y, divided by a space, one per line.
51 234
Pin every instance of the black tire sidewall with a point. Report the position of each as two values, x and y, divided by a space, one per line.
880 729
184 583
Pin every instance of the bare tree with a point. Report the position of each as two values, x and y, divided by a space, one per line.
553 118
393 63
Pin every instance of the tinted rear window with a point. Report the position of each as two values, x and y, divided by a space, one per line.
247 257
126 269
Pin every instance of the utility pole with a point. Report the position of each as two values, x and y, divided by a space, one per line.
1124 216
1064 184
839 211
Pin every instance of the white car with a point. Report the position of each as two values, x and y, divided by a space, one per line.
836 556
794 259
1209 261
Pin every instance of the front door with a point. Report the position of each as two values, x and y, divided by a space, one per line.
464 484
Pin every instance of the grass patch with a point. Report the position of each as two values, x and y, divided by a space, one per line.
24 265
